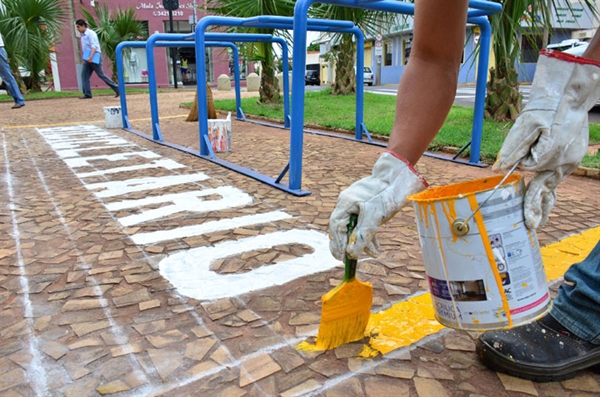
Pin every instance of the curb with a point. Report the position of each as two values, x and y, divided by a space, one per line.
593 173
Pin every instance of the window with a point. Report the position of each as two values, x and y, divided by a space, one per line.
387 47
406 48
531 44
178 27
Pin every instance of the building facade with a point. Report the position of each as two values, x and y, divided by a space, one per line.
67 61
388 53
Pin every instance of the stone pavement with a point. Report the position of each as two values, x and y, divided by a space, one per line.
130 268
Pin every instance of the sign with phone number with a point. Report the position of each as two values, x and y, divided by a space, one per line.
166 13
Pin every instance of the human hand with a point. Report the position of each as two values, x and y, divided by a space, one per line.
376 199
551 134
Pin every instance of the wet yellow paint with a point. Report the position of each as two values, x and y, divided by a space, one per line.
485 241
442 253
557 257
409 321
461 190
402 324
450 211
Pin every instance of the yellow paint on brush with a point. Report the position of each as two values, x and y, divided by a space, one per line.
345 313
409 321
485 240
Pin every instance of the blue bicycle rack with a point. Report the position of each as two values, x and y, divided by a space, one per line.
300 23
274 22
229 37
478 9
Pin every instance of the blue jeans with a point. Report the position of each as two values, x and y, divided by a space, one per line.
11 84
577 306
86 74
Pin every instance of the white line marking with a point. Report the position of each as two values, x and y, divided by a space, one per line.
118 188
231 197
36 372
165 163
208 227
84 161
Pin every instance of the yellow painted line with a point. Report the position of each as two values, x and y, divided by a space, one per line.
84 122
409 321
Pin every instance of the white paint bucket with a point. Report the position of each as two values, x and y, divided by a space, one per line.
112 117
492 276
219 134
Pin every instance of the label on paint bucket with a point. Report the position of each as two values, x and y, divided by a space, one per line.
493 276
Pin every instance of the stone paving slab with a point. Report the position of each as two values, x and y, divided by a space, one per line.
87 308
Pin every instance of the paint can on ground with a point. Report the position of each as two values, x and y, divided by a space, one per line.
112 117
489 274
219 134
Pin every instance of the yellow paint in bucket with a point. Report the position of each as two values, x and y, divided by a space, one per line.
491 276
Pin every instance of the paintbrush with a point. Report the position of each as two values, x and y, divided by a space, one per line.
346 308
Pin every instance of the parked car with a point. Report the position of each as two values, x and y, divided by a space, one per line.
311 77
578 49
368 76
571 46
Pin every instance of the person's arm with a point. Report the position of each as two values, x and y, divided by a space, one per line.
428 85
94 43
425 95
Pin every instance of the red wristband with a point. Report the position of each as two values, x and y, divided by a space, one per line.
410 166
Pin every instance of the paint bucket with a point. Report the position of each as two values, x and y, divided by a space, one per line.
219 134
112 117
487 274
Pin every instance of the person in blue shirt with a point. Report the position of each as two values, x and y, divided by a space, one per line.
93 63
549 138
9 81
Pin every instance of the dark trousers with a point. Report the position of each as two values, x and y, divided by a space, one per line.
86 73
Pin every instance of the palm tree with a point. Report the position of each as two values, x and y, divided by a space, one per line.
503 101
263 52
113 28
30 29
368 21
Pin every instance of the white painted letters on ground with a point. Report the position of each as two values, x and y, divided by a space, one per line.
231 197
189 271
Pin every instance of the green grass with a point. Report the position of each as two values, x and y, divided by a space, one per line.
337 112
67 94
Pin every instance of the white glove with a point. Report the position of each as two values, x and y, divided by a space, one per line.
376 199
551 134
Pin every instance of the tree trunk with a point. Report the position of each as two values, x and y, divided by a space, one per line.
269 90
503 100
345 77
212 113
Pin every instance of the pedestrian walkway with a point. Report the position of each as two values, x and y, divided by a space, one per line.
133 269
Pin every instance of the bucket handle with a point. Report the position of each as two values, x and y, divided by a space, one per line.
460 227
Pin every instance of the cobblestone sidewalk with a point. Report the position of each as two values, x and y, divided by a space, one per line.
129 268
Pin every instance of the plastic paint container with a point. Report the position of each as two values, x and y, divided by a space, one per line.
488 274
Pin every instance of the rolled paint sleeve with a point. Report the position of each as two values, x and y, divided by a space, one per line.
94 42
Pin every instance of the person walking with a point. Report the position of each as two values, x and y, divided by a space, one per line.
92 60
184 68
9 81
550 138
